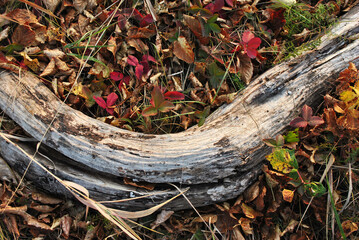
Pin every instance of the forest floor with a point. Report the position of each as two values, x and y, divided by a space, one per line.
163 66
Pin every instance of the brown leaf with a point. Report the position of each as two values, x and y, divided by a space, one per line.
250 212
51 4
136 32
349 227
42 208
161 218
246 225
45 198
252 192
292 224
50 53
66 222
212 218
11 224
30 220
196 27
50 69
183 50
19 33
259 202
246 69
288 195
23 16
4 33
138 44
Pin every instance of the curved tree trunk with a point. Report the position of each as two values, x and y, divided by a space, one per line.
217 161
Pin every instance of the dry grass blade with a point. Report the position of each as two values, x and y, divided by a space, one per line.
34 5
350 190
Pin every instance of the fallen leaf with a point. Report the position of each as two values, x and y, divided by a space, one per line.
288 195
246 69
183 50
246 225
349 227
45 198
250 212
161 218
66 222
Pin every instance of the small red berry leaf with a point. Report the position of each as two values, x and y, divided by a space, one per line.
174 95
149 111
148 58
247 36
100 102
298 122
139 71
146 20
157 97
110 110
315 120
111 99
133 61
166 106
307 112
116 76
250 44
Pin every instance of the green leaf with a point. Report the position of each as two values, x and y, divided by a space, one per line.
292 136
150 111
166 106
316 189
203 115
157 97
213 19
216 74
214 27
281 160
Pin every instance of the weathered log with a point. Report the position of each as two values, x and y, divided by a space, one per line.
221 156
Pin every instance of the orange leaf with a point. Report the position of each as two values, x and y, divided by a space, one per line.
250 212
183 50
288 195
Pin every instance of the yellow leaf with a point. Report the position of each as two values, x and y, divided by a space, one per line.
280 160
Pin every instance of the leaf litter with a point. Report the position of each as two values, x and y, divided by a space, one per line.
184 61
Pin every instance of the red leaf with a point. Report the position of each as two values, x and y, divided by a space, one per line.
307 112
126 80
110 110
139 71
157 97
148 57
100 102
146 20
298 122
111 99
133 61
174 95
247 36
250 44
254 43
116 76
315 120
229 3
216 6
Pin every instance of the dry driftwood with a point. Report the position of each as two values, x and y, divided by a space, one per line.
217 161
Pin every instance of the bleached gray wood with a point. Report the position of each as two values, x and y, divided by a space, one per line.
228 146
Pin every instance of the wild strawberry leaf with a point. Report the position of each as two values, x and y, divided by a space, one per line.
315 120
216 74
139 71
157 97
166 106
146 20
148 57
116 76
307 112
149 111
111 99
131 60
174 95
298 122
247 36
100 102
